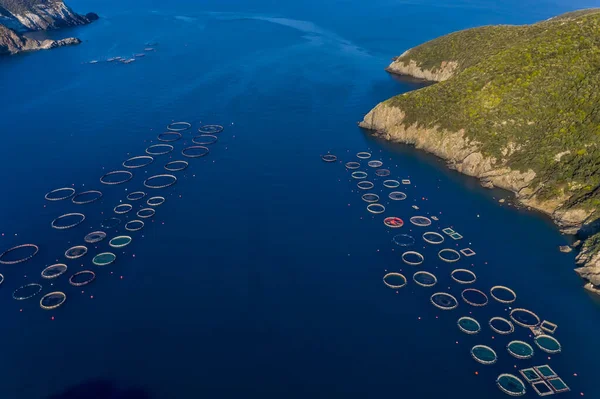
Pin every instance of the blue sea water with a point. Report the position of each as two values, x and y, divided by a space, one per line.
261 274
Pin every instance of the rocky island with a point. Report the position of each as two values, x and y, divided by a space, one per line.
517 107
20 16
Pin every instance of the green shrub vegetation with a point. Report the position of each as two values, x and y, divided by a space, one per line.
535 88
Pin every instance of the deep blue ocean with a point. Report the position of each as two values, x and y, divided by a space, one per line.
261 274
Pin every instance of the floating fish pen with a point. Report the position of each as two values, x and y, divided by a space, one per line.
432 237
110 223
86 197
558 385
424 279
52 300
456 236
134 225
329 158
54 271
444 301
352 165
160 181
467 252
397 196
66 221
548 327
394 280
530 375
501 325
136 195
393 222
391 184
382 172
76 252
176 166
208 139
168 137
116 177
195 151
412 258
405 181
359 175
420 221
370 197
469 325
104 259
145 213
510 385
520 349
545 371
403 240
26 291
363 155
448 231
60 194
159 149
463 276
94 237
548 343
484 354
524 318
210 129
122 208
375 164
449 255
365 185
503 294
155 201
120 241
138 161
542 388
474 297
82 278
18 254
376 208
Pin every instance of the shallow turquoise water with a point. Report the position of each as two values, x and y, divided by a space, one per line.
262 272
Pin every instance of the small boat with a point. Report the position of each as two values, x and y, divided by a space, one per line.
140 55
111 59
93 61
149 49
129 61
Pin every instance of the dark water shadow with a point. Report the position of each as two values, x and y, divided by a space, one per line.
101 389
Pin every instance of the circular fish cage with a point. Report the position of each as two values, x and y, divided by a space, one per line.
179 126
86 197
160 181
120 241
169 137
412 258
76 252
510 385
155 201
393 222
420 221
431 237
365 185
484 354
210 129
444 301
503 294
463 276
501 325
134 225
136 196
138 162
375 164
116 177
122 209
26 291
67 221
548 343
81 278
520 349
359 174
391 183
370 197
468 325
329 158
94 237
403 240
1 278
60 194
474 297
195 151
382 172
394 280
54 271
159 149
104 259
18 254
176 166
363 155
110 223
449 255
524 317
205 139
425 279
376 208
352 165
146 213
397 196
52 300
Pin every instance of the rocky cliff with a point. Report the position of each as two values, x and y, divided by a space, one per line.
517 107
18 16
11 42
